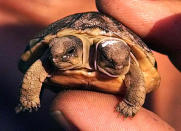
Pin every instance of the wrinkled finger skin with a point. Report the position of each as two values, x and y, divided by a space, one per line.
96 111
159 24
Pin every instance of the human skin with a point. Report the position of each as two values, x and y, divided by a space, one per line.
85 110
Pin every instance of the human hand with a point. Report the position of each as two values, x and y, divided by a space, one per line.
88 110
84 110
158 22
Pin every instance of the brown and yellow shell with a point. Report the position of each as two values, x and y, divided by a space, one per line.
95 26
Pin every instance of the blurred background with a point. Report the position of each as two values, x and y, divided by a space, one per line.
19 21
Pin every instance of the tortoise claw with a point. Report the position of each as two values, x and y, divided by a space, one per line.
32 107
126 109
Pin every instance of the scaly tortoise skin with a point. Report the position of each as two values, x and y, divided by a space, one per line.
92 51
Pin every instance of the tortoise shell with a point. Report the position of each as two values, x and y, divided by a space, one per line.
96 28
94 23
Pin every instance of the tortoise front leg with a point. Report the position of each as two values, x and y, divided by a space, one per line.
136 92
31 87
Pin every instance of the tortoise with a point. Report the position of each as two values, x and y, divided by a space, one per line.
90 51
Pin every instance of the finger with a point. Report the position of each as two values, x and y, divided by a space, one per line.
39 11
159 22
96 111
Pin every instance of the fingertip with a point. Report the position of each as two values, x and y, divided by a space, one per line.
91 110
157 22
139 15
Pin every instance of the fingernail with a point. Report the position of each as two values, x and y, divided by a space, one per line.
60 118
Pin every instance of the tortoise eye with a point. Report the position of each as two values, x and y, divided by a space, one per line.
66 52
71 50
113 57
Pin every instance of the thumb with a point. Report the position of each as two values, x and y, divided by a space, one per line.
96 111
158 22
139 15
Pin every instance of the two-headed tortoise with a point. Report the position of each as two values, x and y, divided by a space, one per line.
92 51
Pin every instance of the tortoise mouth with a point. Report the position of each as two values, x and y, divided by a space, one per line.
87 79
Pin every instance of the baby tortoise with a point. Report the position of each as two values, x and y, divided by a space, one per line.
91 51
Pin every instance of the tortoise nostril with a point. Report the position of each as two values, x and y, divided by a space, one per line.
65 58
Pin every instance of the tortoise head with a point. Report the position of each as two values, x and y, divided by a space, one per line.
66 52
110 56
113 57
